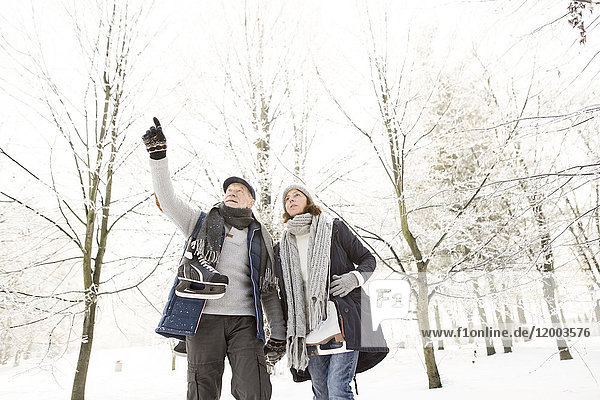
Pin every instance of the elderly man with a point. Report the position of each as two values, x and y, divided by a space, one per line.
225 281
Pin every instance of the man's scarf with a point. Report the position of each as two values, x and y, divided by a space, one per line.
210 239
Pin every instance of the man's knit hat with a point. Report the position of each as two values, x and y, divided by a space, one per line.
235 179
297 186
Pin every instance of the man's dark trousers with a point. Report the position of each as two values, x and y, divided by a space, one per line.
234 336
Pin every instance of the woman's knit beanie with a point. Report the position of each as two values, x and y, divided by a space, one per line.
297 186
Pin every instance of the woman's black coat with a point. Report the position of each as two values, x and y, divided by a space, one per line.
355 321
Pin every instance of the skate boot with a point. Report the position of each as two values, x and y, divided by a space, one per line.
180 349
198 279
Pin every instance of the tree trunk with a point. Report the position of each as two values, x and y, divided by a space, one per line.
455 328
548 282
471 326
27 354
438 325
17 359
502 326
433 374
89 318
510 325
261 121
521 315
550 300
489 343
264 202
521 312
87 337
506 344
424 326
5 344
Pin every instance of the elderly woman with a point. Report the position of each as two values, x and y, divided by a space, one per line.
320 265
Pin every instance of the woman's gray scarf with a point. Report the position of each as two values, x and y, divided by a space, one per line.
210 239
320 228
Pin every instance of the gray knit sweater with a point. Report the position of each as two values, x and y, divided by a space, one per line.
234 260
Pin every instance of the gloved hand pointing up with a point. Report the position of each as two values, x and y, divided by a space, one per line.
155 141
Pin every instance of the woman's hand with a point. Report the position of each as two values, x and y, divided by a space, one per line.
342 285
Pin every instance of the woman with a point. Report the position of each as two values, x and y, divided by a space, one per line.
320 265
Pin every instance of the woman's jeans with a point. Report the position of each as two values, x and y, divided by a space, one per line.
331 375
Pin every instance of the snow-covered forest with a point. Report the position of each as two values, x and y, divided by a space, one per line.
458 139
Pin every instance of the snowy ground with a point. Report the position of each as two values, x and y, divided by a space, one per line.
532 371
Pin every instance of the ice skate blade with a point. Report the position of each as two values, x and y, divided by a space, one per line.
204 296
194 281
336 338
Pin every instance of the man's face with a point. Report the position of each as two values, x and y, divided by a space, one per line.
238 196
295 202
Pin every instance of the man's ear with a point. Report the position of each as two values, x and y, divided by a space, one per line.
252 203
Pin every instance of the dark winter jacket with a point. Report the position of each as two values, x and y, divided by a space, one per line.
355 321
181 315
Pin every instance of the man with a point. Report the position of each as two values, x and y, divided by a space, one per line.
225 281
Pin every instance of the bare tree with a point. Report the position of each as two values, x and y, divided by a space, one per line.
253 91
546 254
393 128
257 89
467 227
93 126
585 229
546 268
489 344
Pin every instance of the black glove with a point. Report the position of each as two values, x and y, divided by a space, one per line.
155 141
274 351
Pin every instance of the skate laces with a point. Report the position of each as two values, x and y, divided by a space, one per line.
207 265
201 259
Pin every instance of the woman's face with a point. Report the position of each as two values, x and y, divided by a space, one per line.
295 202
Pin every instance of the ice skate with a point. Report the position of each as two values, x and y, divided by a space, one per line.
198 279
327 337
327 331
180 349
